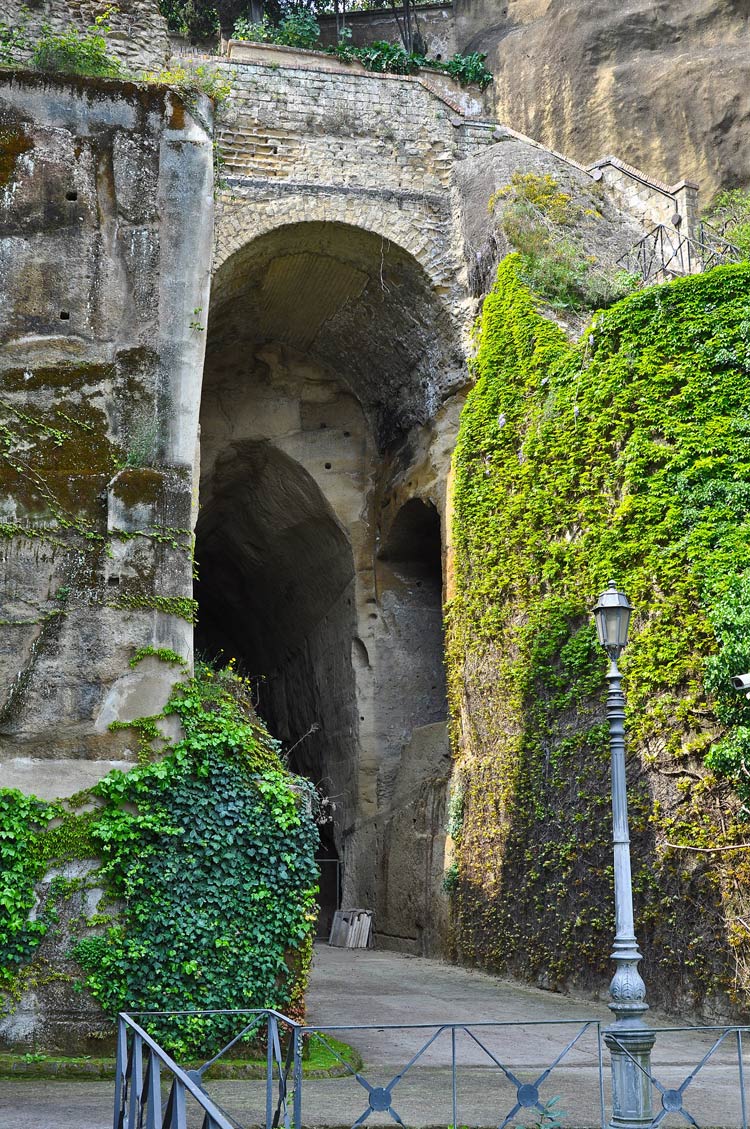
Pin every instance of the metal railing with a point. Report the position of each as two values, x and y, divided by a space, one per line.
473 1073
672 1095
664 253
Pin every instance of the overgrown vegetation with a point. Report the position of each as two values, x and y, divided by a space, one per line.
544 225
626 455
209 850
21 820
468 70
300 29
730 214
72 52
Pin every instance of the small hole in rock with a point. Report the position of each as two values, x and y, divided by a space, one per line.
113 581
323 425
64 315
71 195
328 466
347 434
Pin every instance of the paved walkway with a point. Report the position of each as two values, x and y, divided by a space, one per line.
357 987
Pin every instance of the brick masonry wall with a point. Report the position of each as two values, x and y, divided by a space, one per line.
373 151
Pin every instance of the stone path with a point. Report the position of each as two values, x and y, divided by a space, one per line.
387 988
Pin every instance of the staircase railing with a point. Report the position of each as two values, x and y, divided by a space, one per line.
664 252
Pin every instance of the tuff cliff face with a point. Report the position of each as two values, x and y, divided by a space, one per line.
664 85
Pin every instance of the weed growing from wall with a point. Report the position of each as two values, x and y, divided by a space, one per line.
73 52
626 456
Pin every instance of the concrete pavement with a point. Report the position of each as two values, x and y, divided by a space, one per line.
380 988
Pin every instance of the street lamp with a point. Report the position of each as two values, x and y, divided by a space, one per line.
629 1039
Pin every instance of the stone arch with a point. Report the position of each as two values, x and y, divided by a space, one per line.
423 230
355 299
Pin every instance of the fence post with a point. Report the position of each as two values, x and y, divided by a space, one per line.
297 1041
136 1082
270 1030
121 1066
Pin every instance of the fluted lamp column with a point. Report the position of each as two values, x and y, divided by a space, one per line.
629 1039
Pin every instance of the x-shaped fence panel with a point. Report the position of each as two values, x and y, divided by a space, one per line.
527 1095
671 1097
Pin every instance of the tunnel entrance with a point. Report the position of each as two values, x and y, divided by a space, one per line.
276 592
326 346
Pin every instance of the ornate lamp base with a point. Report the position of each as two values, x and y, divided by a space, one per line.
629 1042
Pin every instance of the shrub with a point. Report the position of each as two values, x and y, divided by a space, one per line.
730 212
539 221
71 52
298 29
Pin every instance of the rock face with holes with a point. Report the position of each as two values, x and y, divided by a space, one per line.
351 245
106 207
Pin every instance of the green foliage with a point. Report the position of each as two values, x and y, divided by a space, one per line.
456 812
188 80
468 70
184 607
540 222
298 29
212 852
71 52
627 456
385 57
13 40
21 820
730 212
163 654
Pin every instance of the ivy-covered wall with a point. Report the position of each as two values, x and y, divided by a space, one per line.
626 456
187 883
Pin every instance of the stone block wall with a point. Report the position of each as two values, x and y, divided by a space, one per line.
138 36
651 201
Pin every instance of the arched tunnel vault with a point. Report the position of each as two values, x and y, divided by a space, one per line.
353 301
327 350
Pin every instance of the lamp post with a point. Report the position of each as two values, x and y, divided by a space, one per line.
629 1039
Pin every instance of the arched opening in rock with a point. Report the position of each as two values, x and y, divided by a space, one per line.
276 592
412 836
326 344
410 588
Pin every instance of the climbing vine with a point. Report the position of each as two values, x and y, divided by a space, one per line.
626 455
21 819
208 856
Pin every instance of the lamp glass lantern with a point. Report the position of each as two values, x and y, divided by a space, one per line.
612 614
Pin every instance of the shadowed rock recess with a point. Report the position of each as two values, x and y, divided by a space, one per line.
230 413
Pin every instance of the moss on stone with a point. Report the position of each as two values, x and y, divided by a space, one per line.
626 455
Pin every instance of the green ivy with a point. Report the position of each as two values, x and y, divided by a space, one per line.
22 818
207 857
163 654
626 455
212 852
